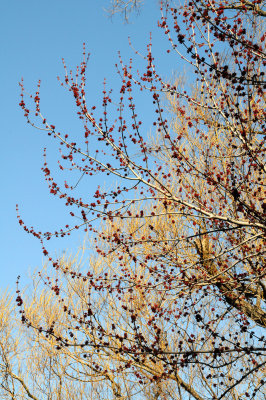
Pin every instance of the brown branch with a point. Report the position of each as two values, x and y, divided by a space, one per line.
30 395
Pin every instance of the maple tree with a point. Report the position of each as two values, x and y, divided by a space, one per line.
185 224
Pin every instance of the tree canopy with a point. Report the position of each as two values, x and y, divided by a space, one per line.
179 297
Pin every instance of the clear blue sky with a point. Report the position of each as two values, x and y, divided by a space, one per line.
35 35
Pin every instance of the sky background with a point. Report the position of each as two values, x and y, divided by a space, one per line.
35 35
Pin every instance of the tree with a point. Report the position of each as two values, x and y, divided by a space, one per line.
188 210
124 7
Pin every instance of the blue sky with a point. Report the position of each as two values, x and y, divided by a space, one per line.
35 35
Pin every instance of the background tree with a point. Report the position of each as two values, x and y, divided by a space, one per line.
124 7
30 365
195 193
